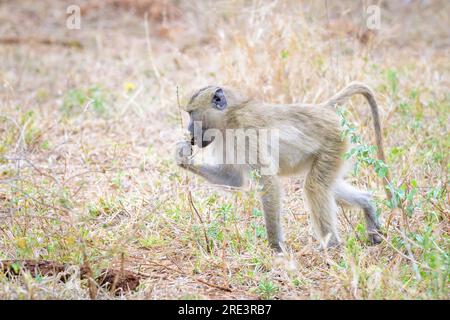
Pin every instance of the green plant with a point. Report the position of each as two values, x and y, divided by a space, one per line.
267 289
79 100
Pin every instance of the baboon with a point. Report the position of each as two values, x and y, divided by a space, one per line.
309 139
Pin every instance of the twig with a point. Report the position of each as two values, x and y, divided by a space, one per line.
191 201
89 275
408 249
34 167
179 111
16 189
118 274
227 289
149 48
43 41
181 272
350 224
401 253
192 205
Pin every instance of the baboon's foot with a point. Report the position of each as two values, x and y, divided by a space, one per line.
278 247
375 238
331 244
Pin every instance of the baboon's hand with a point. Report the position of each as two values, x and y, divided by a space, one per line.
183 153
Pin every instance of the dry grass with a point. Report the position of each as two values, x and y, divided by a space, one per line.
87 136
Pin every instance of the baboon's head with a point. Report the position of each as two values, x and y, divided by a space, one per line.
207 109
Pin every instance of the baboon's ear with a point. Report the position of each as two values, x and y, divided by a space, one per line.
219 101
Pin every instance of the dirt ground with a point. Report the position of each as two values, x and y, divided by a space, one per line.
89 120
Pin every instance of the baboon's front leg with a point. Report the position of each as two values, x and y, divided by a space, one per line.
271 202
226 175
223 175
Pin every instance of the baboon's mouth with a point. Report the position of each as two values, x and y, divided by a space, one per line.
201 143
205 143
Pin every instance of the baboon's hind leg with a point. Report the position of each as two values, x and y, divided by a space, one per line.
320 198
349 195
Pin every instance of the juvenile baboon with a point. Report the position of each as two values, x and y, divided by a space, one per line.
309 139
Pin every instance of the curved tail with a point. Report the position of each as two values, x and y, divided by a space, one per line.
360 88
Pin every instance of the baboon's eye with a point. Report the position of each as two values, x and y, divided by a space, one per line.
219 101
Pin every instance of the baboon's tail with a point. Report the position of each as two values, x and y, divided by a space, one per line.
360 88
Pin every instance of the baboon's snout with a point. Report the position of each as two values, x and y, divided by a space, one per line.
197 134
191 132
